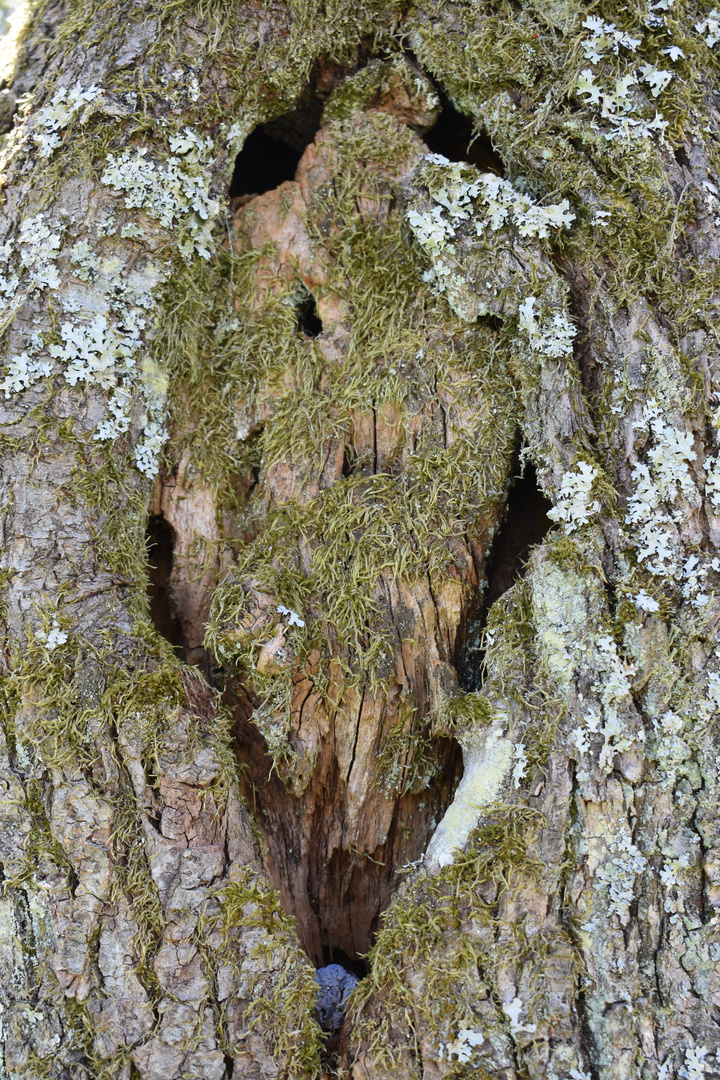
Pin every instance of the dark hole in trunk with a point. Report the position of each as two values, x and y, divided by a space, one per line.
348 465
524 524
272 152
264 163
309 323
336 893
160 539
356 964
455 138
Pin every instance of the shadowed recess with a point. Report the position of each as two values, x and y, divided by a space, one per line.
336 893
272 152
264 163
160 540
454 137
524 524
309 323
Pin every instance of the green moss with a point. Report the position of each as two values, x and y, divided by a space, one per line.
84 1028
376 84
508 638
443 928
408 760
133 881
515 72
41 844
463 712
117 507
262 78
324 554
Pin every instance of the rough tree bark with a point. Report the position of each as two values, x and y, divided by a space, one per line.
361 497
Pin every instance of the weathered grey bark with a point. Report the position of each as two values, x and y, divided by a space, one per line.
320 393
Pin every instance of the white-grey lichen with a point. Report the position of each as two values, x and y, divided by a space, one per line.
550 335
616 877
660 491
490 201
480 233
621 96
173 192
100 343
463 1046
709 28
46 124
575 505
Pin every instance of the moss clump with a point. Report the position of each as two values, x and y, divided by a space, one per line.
393 85
42 844
515 72
465 711
408 761
507 638
434 965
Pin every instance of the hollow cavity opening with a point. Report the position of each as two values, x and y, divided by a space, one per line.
160 541
264 163
525 523
272 151
455 137
309 323
357 965
337 890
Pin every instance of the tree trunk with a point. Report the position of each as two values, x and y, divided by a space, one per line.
361 497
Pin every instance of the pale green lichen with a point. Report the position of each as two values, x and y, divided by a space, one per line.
575 506
176 191
466 223
52 118
487 756
630 212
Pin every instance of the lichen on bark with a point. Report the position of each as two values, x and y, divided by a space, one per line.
333 489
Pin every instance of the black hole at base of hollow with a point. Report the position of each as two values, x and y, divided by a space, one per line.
524 524
160 539
355 964
309 323
452 136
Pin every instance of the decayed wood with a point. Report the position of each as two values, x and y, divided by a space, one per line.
559 921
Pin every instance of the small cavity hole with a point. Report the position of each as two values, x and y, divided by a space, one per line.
454 137
272 152
160 538
524 525
309 323
348 464
264 163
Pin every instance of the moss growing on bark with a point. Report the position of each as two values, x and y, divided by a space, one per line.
445 917
515 69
